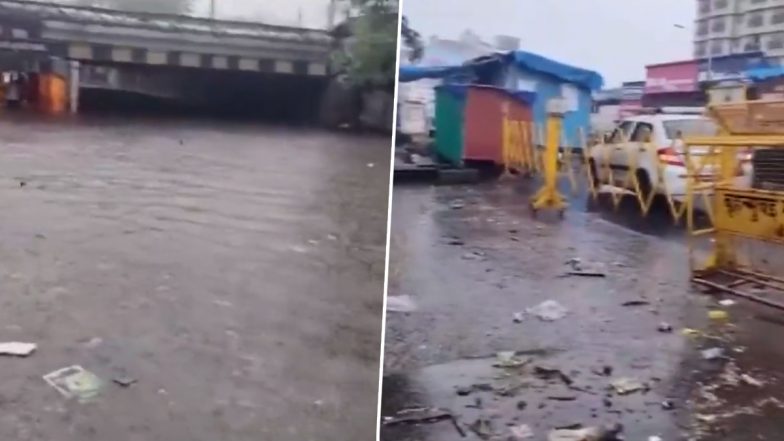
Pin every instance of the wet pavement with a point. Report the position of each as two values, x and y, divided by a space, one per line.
470 260
234 270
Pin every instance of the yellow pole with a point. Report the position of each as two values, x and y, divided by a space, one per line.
548 196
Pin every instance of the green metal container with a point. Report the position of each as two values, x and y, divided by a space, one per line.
450 105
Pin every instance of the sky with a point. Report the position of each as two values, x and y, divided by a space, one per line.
616 38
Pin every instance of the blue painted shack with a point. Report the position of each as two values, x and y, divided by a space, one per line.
548 79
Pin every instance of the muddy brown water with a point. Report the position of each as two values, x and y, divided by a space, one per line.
235 270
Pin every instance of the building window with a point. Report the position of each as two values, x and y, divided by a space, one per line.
720 4
717 48
704 6
776 42
753 44
702 28
777 17
699 50
758 2
756 20
718 25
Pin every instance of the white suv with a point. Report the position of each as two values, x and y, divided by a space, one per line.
650 137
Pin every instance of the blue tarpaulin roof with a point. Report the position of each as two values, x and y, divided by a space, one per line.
569 74
765 73
528 61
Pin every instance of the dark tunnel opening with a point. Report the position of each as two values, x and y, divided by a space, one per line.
165 91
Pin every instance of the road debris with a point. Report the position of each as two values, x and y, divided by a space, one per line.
547 373
562 397
456 242
667 405
655 438
689 332
483 428
418 415
518 317
17 349
718 315
548 311
457 205
751 381
75 382
727 302
665 327
626 386
510 359
474 255
586 434
636 303
523 431
712 353
401 303
125 381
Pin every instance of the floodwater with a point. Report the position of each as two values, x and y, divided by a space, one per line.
234 270
469 260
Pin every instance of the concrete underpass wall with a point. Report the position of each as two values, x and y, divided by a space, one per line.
265 95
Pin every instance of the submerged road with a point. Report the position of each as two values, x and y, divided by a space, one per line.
466 262
234 271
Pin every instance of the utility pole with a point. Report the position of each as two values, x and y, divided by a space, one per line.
212 9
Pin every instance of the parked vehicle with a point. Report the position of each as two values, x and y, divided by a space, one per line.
639 143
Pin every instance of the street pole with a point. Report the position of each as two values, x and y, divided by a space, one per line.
212 9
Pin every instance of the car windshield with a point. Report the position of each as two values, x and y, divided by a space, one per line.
679 128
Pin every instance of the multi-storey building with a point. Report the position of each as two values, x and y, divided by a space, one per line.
726 27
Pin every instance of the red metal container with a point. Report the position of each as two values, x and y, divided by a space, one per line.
486 108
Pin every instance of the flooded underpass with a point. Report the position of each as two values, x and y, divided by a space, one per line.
493 334
198 268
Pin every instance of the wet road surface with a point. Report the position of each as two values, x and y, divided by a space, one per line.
235 271
467 258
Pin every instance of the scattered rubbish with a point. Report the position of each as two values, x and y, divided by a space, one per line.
547 373
483 428
514 239
712 353
586 434
474 255
456 242
655 438
523 431
607 402
562 397
509 359
706 418
636 303
573 426
688 332
464 390
521 405
124 381
586 273
726 302
626 386
371 164
619 264
518 317
667 405
93 342
402 303
548 311
17 349
420 415
22 183
718 315
74 382
456 205
607 371
665 327
751 381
